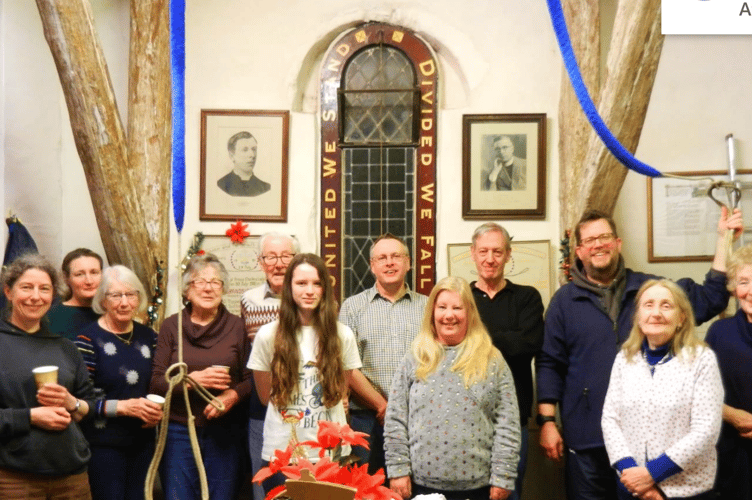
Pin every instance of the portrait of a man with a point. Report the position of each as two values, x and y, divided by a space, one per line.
505 171
241 181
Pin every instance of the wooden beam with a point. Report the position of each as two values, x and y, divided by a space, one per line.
632 64
583 20
150 123
115 187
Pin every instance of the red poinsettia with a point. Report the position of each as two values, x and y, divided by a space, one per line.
237 231
330 436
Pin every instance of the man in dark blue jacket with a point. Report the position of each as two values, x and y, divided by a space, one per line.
586 323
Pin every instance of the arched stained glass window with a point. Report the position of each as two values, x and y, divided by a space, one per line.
370 163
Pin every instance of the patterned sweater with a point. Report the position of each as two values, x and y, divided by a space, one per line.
675 411
450 437
119 371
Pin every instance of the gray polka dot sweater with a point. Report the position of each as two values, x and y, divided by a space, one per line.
450 437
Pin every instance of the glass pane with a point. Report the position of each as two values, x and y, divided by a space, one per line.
379 184
378 97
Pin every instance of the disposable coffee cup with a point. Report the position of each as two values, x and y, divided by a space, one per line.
224 367
155 398
44 375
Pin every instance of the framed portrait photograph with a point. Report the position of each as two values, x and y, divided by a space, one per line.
244 157
683 220
504 166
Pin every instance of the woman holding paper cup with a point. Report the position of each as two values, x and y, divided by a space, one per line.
118 352
43 452
213 340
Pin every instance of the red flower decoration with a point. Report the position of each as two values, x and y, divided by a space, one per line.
237 232
331 434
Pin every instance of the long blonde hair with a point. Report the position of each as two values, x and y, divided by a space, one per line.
475 352
684 336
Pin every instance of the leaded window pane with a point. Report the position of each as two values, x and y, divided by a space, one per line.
379 98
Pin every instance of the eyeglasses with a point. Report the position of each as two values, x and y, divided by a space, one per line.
201 283
382 259
286 258
604 239
118 296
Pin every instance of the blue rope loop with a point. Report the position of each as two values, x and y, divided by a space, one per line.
586 102
177 56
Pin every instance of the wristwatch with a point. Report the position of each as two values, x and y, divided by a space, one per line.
542 419
75 409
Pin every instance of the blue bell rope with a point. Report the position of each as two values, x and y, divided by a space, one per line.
570 62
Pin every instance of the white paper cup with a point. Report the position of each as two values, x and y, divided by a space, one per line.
224 367
44 375
155 398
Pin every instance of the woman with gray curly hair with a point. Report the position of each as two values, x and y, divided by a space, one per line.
44 453
118 352
216 350
731 339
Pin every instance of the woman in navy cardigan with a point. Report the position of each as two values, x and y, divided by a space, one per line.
731 339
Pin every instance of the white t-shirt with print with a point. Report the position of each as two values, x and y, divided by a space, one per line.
307 406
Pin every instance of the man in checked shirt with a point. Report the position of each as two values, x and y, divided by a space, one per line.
385 318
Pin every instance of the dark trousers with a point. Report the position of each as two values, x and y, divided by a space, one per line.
222 452
119 473
589 475
366 421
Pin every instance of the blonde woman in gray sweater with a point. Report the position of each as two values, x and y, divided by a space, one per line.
452 423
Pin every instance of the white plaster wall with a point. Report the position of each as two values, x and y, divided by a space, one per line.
490 64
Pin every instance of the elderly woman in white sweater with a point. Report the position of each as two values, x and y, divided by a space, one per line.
662 414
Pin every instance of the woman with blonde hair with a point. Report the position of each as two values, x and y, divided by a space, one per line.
452 421
302 362
662 413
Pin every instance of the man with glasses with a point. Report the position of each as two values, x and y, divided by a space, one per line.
258 306
586 323
385 318
513 316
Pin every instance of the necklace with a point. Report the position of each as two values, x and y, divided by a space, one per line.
119 335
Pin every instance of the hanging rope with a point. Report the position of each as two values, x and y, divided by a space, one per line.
586 102
178 372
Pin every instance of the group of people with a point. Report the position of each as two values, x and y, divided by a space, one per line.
443 385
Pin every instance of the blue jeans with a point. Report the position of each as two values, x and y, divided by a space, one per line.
255 443
521 466
222 454
119 473
589 475
365 421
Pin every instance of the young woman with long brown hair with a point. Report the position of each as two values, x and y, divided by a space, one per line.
302 362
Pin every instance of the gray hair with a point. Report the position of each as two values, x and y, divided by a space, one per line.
738 261
197 264
15 270
273 235
120 274
489 227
